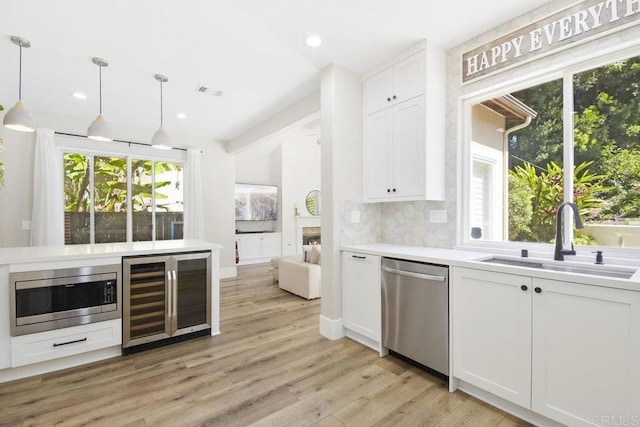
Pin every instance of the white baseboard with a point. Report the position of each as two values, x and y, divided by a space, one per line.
228 272
505 405
372 344
331 329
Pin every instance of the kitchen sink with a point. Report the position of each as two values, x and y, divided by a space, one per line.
590 270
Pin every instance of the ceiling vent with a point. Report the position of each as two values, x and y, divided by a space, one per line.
208 91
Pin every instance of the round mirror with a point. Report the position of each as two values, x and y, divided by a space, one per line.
313 202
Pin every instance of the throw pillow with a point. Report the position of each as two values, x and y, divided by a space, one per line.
306 253
315 254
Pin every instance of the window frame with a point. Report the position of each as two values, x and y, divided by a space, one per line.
465 104
85 146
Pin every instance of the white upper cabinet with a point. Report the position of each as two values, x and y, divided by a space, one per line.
396 84
404 146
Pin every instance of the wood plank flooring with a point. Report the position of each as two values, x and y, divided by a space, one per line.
269 367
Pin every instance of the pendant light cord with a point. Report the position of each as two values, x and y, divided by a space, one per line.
20 77
100 74
161 104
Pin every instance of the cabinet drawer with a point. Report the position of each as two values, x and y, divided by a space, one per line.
39 347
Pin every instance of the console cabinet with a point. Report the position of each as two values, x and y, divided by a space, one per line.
563 350
404 127
258 247
361 298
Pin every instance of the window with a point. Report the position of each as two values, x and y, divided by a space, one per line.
100 189
577 139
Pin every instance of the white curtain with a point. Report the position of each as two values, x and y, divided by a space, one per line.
193 209
47 219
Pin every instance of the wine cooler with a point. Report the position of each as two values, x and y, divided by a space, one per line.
167 298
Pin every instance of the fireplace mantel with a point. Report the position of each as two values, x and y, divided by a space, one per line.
301 222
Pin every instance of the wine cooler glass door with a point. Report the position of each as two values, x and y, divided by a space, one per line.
147 281
192 293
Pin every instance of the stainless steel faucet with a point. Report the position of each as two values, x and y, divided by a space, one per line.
560 252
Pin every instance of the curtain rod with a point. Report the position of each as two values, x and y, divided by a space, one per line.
117 140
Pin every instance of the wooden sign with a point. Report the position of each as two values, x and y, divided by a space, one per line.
575 24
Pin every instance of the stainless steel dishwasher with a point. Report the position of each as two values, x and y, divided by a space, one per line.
415 312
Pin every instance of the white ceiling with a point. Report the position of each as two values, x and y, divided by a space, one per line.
252 50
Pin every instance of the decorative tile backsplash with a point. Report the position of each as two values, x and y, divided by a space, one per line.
365 231
404 223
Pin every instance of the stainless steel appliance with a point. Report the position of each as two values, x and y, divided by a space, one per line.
52 299
166 298
415 312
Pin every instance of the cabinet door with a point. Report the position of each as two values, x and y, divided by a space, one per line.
409 78
409 149
191 289
271 245
361 294
378 91
249 247
491 332
586 342
146 299
378 155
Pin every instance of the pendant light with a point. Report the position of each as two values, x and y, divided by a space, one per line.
19 118
160 139
99 130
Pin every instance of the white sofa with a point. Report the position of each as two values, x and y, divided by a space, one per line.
295 275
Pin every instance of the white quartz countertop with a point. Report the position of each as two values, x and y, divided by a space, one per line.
475 259
20 255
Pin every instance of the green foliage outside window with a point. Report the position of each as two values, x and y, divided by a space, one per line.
606 152
110 183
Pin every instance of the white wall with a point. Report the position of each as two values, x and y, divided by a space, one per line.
218 178
290 160
301 165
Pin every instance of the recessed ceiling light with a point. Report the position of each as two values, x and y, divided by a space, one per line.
313 41
79 95
181 115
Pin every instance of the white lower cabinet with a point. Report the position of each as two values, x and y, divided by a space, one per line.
491 345
49 345
586 352
567 351
361 298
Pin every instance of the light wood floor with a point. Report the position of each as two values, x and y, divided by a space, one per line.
269 367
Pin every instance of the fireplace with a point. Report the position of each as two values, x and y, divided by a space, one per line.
310 235
303 222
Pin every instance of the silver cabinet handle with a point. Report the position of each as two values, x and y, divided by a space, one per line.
416 275
175 297
169 295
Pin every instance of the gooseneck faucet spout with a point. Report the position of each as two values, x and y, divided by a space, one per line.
560 252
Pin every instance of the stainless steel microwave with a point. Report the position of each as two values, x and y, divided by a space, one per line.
53 299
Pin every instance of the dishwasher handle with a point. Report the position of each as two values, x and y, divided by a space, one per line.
416 275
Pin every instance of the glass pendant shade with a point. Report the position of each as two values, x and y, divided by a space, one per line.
99 130
19 118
